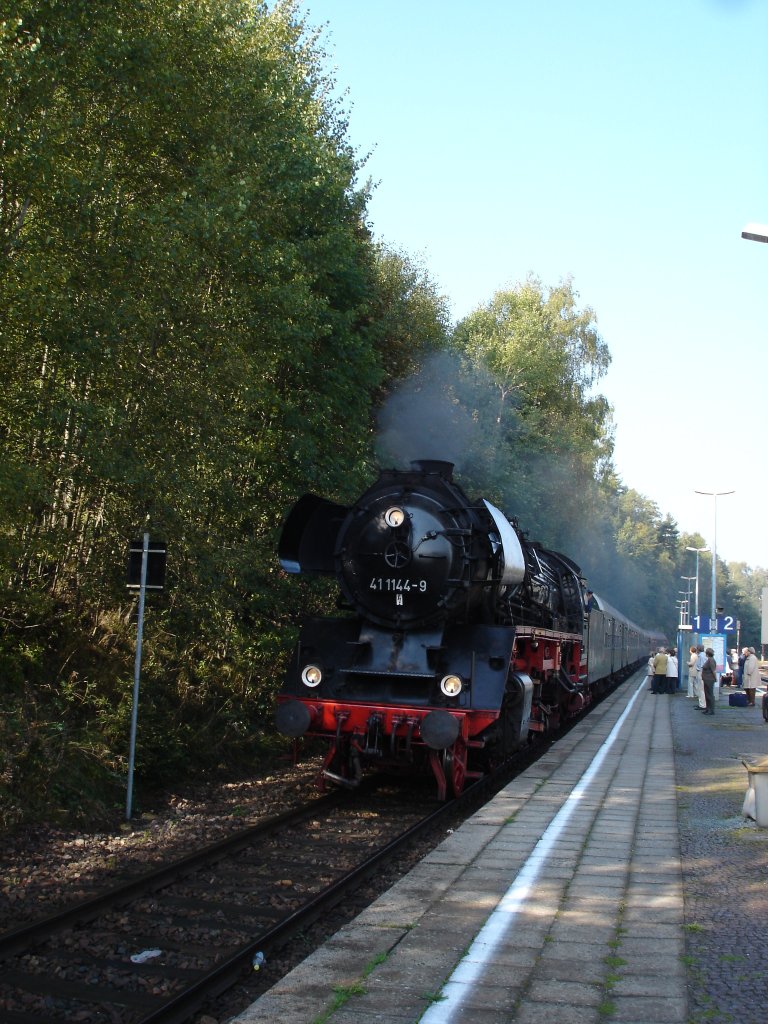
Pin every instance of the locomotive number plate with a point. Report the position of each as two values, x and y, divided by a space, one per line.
391 584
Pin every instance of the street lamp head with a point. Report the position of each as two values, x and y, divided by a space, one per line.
755 232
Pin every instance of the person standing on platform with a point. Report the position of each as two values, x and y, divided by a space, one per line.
742 659
751 676
692 691
700 659
660 671
672 670
650 671
709 678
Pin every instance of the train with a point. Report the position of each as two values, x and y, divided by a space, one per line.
457 640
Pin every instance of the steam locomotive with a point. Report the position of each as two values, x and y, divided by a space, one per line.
460 639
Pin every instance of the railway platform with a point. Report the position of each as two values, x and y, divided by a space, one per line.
614 880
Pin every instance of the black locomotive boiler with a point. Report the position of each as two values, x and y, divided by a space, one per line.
458 638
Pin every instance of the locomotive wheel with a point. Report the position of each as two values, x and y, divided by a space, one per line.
455 765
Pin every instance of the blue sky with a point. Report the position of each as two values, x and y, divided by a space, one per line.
623 145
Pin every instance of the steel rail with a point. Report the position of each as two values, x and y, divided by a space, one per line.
20 939
181 1007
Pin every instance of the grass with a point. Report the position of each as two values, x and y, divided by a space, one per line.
614 962
433 997
380 958
343 993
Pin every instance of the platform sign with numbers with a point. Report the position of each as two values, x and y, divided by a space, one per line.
722 624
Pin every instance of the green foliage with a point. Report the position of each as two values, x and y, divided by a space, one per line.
740 592
541 445
545 353
195 325
410 319
546 431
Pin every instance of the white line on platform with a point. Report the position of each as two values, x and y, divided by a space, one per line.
501 919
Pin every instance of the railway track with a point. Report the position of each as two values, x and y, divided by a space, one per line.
160 947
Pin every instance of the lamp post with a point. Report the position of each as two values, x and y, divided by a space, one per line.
688 580
698 552
715 495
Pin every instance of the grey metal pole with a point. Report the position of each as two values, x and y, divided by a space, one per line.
136 675
713 618
715 495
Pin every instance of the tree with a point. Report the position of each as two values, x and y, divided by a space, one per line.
201 240
408 317
185 279
742 597
544 356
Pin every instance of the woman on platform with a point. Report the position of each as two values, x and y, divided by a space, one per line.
692 672
672 671
751 676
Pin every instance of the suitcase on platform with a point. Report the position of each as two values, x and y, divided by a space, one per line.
737 700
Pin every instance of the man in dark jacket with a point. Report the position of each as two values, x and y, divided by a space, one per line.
709 677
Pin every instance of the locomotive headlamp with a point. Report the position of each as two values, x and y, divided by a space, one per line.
394 516
311 675
451 686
